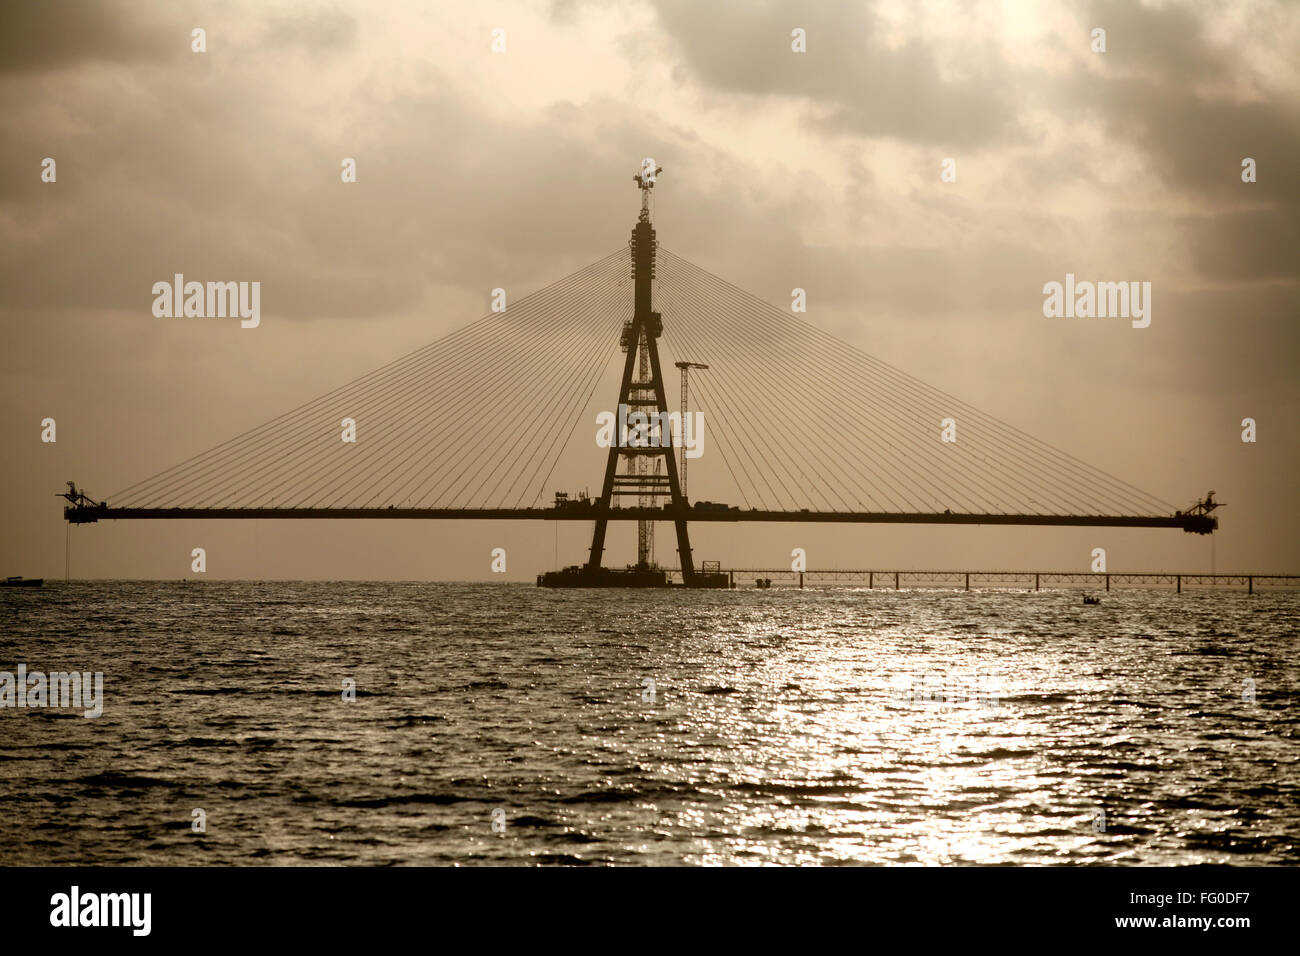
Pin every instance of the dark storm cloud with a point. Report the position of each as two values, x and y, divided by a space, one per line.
864 86
38 36
1164 87
1169 91
171 184
192 169
1168 44
1196 146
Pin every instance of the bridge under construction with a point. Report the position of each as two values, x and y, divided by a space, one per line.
807 429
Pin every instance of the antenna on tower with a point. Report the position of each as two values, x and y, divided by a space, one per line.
645 180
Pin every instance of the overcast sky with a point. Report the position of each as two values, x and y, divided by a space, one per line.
818 170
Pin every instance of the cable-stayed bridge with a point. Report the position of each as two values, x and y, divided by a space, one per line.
801 426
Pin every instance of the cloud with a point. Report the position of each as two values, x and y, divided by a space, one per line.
861 83
40 37
318 31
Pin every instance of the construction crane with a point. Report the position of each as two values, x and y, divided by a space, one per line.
686 372
1201 508
80 499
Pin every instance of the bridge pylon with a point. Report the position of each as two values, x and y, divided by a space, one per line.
643 409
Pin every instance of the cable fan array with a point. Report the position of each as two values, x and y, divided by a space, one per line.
438 428
799 419
804 420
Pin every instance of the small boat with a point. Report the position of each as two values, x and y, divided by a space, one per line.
18 581
1089 599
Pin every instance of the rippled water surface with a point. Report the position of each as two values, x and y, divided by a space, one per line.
785 726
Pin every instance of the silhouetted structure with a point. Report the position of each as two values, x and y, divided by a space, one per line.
286 460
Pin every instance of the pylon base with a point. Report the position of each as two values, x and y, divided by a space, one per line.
580 576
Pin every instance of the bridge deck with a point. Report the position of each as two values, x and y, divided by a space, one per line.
1197 523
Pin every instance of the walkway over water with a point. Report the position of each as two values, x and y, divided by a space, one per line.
1028 580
